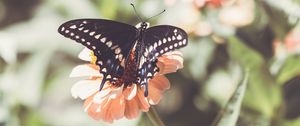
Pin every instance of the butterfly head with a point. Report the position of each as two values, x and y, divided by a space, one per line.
142 25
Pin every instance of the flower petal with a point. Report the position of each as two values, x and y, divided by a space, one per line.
105 113
99 96
130 92
142 101
85 88
154 95
115 92
85 55
87 103
160 82
170 62
117 107
85 70
92 111
157 86
132 109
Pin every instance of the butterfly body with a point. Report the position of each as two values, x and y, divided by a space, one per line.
125 54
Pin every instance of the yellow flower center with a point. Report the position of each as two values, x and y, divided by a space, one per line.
93 57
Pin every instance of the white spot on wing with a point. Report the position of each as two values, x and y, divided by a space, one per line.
114 47
159 43
77 37
150 48
164 40
80 29
88 43
146 53
179 37
72 34
73 26
103 40
109 43
184 41
97 36
86 31
161 51
180 43
117 50
92 33
169 39
62 29
94 47
175 45
155 45
100 62
173 38
166 48
67 31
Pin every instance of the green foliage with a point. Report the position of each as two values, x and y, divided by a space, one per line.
229 115
262 95
289 70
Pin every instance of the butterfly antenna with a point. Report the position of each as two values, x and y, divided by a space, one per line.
155 15
136 12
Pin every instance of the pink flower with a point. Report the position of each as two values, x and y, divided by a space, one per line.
112 103
212 3
289 45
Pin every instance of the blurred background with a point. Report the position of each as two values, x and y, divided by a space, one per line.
225 38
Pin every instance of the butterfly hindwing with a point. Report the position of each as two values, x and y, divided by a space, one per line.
110 41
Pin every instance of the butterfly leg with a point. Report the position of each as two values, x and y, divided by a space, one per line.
146 89
102 83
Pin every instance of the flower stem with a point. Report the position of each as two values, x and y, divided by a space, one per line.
154 118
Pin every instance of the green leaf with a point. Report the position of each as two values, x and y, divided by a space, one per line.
262 88
229 115
289 69
33 119
294 122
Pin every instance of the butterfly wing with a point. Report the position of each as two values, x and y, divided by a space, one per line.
159 40
110 41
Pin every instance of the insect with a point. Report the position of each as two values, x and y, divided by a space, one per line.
125 54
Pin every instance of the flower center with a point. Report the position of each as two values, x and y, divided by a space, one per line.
129 76
93 57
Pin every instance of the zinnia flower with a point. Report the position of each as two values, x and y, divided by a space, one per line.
112 103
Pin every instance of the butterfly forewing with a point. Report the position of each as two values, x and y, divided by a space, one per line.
164 38
159 40
110 41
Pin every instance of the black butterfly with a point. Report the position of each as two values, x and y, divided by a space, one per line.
125 54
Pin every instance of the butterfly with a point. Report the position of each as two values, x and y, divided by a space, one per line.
125 54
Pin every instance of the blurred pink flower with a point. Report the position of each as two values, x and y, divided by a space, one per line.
238 14
290 44
112 103
292 41
212 3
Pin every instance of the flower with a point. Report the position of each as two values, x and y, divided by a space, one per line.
212 3
112 103
289 45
